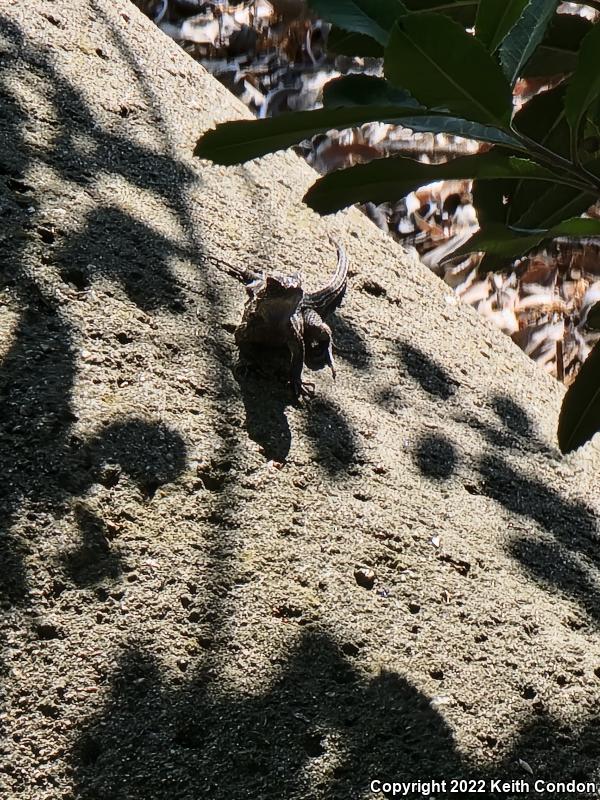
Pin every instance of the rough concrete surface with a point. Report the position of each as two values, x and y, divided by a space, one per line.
180 613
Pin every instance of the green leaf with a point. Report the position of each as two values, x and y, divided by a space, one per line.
579 416
362 90
551 205
444 67
557 54
518 46
584 86
543 120
371 17
344 43
439 123
391 178
576 227
494 20
241 140
365 90
501 241
354 90
462 11
488 199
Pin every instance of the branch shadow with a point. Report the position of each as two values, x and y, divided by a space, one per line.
572 524
431 377
114 245
350 343
321 730
45 464
336 445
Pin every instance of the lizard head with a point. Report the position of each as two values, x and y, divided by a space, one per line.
279 295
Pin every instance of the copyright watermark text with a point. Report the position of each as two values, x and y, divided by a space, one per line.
458 786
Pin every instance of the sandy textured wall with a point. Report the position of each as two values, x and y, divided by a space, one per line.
180 615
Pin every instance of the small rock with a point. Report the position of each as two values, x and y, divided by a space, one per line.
439 700
525 766
365 577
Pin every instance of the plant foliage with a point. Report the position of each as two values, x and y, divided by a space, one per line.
543 171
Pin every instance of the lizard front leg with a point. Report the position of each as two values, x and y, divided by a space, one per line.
318 341
296 347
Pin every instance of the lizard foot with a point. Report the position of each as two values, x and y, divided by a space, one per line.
303 389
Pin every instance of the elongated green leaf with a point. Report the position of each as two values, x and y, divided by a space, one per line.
392 178
365 90
543 120
502 241
444 67
371 17
557 54
463 11
442 6
241 140
439 123
345 43
584 86
489 200
527 33
494 20
579 416
353 90
551 205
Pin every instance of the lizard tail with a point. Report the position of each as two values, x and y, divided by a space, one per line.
326 300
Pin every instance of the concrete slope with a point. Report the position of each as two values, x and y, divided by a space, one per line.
180 612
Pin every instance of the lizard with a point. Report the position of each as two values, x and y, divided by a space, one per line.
278 312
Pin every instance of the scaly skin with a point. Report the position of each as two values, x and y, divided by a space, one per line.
279 313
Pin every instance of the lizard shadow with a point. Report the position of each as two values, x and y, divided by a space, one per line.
265 398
